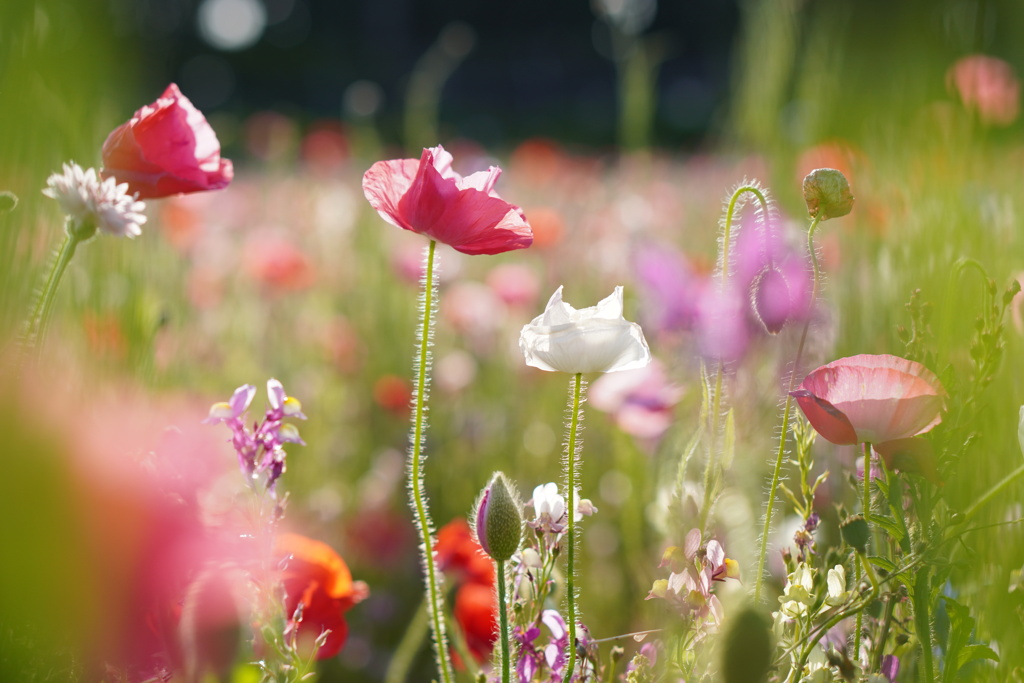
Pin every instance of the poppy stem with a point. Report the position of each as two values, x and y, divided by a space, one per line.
506 667
35 331
572 450
786 412
716 409
428 305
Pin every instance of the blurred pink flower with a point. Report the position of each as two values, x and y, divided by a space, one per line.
670 288
723 332
426 196
640 401
775 271
873 399
277 263
515 284
987 85
166 148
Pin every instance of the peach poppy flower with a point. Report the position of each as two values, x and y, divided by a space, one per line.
316 576
871 399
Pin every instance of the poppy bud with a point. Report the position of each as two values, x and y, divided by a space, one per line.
855 532
499 521
827 192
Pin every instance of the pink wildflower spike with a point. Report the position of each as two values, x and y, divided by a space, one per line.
872 399
691 544
426 196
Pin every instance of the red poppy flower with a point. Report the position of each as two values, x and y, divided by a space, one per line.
166 148
317 577
476 606
428 197
871 399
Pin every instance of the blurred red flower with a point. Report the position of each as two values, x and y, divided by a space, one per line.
426 196
316 576
166 148
476 607
871 399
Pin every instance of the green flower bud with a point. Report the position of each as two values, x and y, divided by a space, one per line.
499 519
747 655
855 532
827 192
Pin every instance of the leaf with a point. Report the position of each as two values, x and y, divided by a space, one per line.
891 527
974 652
729 439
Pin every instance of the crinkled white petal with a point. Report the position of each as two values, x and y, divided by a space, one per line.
84 197
595 339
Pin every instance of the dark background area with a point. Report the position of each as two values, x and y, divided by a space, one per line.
537 68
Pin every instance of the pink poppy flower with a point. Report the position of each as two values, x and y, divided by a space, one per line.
871 399
987 85
426 196
166 148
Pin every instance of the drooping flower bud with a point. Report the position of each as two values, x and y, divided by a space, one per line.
827 192
771 299
499 519
854 530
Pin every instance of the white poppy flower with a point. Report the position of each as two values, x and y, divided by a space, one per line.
595 339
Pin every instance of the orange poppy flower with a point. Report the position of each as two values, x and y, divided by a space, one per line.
317 578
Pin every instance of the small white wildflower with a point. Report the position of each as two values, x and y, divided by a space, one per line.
837 593
798 597
91 202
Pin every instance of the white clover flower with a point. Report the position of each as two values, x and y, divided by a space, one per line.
91 202
595 339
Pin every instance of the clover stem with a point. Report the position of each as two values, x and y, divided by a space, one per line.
40 320
506 668
416 489
572 449
786 412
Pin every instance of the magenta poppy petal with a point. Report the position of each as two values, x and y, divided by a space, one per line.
385 183
826 419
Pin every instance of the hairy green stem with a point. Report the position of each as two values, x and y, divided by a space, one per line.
419 497
712 461
40 320
923 623
786 412
570 482
506 666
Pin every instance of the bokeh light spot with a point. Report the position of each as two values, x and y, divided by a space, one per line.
232 24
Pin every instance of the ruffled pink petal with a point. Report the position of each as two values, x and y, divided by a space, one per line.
386 183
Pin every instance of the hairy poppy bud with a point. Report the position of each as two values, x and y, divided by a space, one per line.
855 531
827 192
499 521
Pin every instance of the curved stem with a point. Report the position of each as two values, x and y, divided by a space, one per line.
506 667
419 497
570 572
786 412
40 320
709 468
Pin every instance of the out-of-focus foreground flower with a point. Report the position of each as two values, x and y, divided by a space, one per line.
595 339
315 577
872 399
426 196
166 148
988 86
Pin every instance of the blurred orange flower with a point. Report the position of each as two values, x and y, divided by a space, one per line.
316 577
